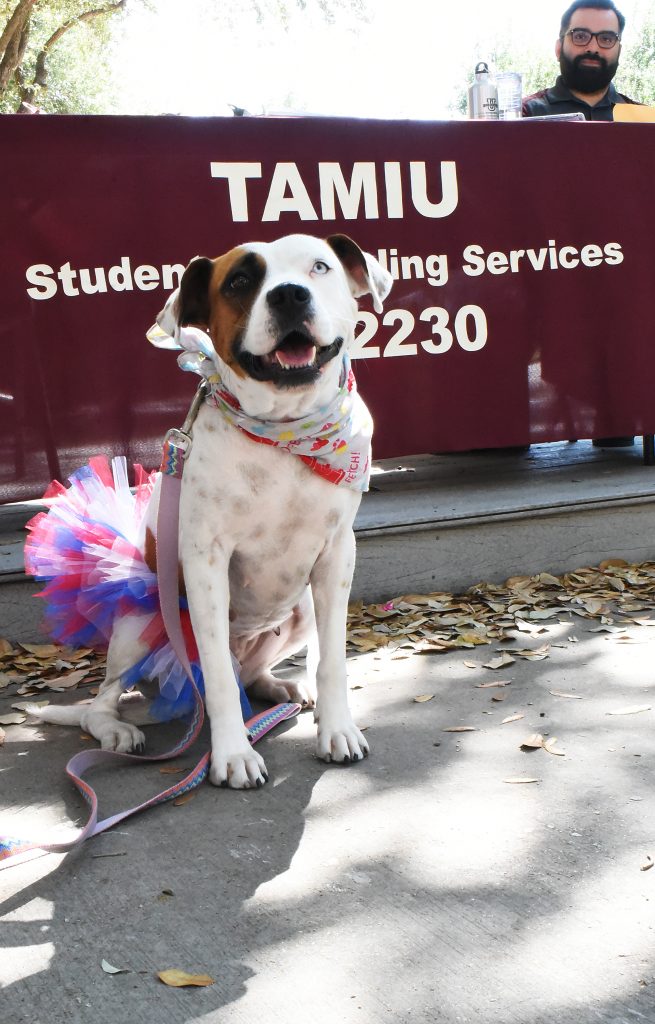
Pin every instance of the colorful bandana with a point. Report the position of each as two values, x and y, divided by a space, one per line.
334 442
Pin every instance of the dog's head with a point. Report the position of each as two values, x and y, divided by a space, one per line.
277 312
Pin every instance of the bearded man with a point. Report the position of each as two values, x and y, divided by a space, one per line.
588 50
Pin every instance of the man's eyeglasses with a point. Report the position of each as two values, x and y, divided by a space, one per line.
582 36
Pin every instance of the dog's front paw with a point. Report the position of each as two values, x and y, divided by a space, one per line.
241 769
112 733
340 741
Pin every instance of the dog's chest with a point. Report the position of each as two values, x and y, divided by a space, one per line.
258 513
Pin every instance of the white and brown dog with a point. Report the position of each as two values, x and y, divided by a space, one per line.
266 542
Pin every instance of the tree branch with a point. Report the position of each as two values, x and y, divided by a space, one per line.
15 23
15 42
40 79
86 16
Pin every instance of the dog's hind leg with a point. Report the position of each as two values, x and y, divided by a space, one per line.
262 654
101 718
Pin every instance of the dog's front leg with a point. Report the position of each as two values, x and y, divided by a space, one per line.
234 763
338 738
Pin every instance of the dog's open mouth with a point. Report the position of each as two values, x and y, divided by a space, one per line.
294 361
295 352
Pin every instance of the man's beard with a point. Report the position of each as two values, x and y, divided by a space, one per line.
587 79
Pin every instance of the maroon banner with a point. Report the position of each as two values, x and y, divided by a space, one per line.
522 253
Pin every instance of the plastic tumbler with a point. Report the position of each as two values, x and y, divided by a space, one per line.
509 95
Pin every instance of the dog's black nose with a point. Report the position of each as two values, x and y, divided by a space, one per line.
289 298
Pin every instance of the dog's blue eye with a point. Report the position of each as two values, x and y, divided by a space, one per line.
320 267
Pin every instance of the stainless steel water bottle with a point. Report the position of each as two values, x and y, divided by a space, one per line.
483 96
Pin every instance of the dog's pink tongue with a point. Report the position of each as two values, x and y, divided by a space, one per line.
296 355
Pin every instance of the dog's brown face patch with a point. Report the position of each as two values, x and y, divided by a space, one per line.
234 286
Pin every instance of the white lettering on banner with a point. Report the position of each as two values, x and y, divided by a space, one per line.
433 268
237 175
121 277
470 332
394 187
287 176
288 193
333 184
551 257
46 282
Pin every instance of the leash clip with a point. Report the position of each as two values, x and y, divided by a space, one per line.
177 445
178 440
203 390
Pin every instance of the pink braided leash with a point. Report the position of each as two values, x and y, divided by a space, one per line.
13 850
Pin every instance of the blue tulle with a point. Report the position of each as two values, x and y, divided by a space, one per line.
176 697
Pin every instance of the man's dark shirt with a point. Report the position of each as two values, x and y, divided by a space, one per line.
560 100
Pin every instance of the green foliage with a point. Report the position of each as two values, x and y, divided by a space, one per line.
78 75
636 75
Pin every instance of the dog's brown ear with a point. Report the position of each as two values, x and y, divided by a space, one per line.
365 275
193 299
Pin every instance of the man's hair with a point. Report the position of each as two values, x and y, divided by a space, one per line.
596 5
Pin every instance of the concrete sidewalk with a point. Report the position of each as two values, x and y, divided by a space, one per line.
418 886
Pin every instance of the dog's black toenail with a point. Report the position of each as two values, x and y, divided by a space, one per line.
355 757
260 783
224 784
346 759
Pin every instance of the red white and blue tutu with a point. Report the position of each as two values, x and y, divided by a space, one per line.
87 547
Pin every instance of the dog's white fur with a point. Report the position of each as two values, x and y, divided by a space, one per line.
267 546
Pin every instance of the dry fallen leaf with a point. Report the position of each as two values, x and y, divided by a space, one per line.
439 622
170 769
69 681
184 799
612 563
180 979
108 969
634 709
2 736
14 718
423 697
569 696
499 662
537 741
534 742
5 648
42 650
498 682
27 705
520 781
512 718
647 865
549 747
460 728
538 654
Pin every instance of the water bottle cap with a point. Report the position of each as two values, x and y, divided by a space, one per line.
481 68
